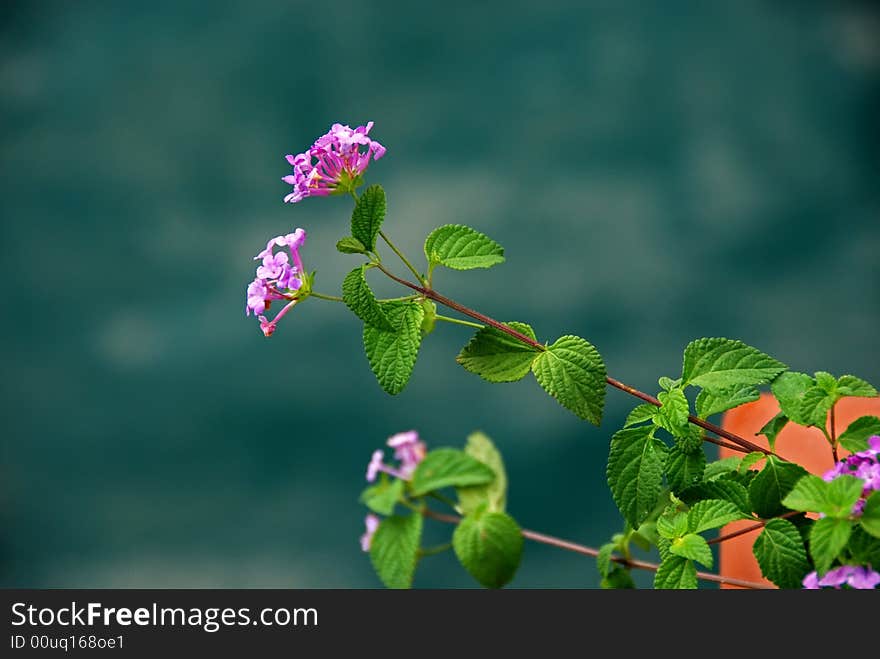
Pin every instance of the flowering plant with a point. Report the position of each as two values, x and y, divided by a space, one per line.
816 531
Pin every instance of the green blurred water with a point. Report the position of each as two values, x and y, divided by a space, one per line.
656 171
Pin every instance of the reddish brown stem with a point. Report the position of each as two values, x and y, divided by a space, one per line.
749 529
452 304
590 551
719 442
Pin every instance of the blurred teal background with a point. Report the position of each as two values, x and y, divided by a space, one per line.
657 171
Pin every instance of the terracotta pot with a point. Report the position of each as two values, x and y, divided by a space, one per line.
807 446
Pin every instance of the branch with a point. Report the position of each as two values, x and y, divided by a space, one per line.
749 529
589 551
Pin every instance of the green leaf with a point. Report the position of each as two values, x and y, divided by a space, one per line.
726 489
694 547
675 573
382 497
718 364
870 519
394 549
780 553
834 499
462 248
603 558
826 381
850 385
359 298
720 467
815 406
855 437
828 537
721 400
789 389
672 416
449 467
684 470
640 414
349 245
772 428
572 371
618 578
392 355
667 384
749 460
672 525
498 357
772 485
368 215
494 494
712 514
635 472
489 545
864 548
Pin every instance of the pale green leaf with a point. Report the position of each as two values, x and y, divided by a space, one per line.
673 413
349 245
572 371
855 438
718 364
382 497
498 357
713 402
789 389
676 573
640 414
392 355
850 385
694 547
462 248
672 524
828 537
394 549
603 558
494 494
720 467
712 514
367 216
635 472
726 489
359 298
815 406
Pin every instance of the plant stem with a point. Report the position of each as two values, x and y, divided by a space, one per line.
719 442
466 323
403 258
834 438
617 384
444 499
432 551
590 551
321 296
749 529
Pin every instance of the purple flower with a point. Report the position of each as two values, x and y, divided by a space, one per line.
864 465
335 163
372 523
409 450
376 465
854 576
276 278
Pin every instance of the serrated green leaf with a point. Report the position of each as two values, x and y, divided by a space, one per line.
772 485
870 519
719 363
448 467
392 355
493 494
672 525
673 413
668 384
462 248
691 441
855 437
808 494
675 573
572 371
825 381
382 497
815 406
720 467
498 357
635 472
368 215
394 549
726 489
713 402
617 579
646 536
841 495
489 545
864 547
429 320
780 553
640 414
359 298
850 385
749 460
772 428
828 537
712 514
684 470
789 389
349 245
603 558
694 547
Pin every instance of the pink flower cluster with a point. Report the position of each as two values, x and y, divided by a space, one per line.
853 576
279 276
864 465
335 162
